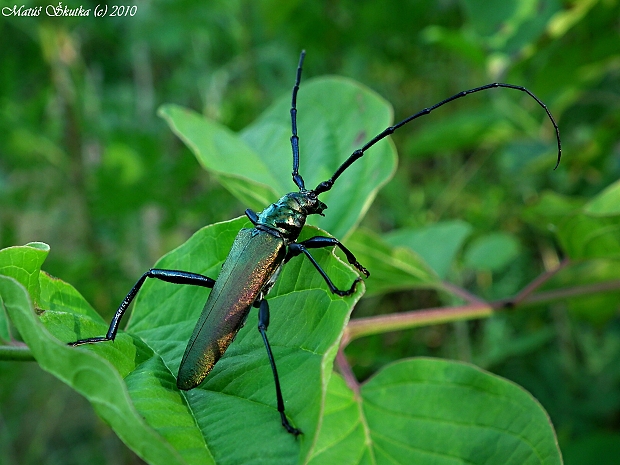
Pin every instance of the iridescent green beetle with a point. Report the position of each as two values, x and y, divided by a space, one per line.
256 259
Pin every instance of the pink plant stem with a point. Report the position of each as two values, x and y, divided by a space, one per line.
346 371
359 327
539 281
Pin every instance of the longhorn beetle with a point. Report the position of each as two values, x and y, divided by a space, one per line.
257 256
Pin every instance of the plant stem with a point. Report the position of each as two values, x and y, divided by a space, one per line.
558 294
462 293
539 281
346 371
360 327
19 353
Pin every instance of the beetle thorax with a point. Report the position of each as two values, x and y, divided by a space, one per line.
288 215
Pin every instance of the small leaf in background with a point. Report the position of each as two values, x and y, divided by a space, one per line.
512 26
550 210
492 252
585 237
431 411
466 128
391 268
437 244
462 43
607 203
124 163
521 159
23 263
594 232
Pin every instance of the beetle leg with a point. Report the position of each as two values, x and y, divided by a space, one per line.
323 241
263 324
170 276
296 248
252 216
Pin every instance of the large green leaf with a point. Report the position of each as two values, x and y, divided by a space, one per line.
236 165
434 412
335 117
131 382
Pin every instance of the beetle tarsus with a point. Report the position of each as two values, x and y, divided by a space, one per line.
350 291
361 269
287 426
90 340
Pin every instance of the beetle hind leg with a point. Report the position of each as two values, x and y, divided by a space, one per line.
170 276
263 324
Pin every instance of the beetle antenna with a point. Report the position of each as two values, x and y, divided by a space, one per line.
297 179
327 185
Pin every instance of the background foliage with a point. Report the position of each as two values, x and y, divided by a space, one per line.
87 167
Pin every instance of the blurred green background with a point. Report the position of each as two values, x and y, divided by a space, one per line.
87 167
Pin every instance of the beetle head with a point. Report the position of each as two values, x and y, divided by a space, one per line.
308 203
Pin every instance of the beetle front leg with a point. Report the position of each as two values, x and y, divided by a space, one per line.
170 276
297 248
263 324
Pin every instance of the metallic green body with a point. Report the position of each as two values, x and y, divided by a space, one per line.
249 268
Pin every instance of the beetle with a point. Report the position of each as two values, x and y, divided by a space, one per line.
257 256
